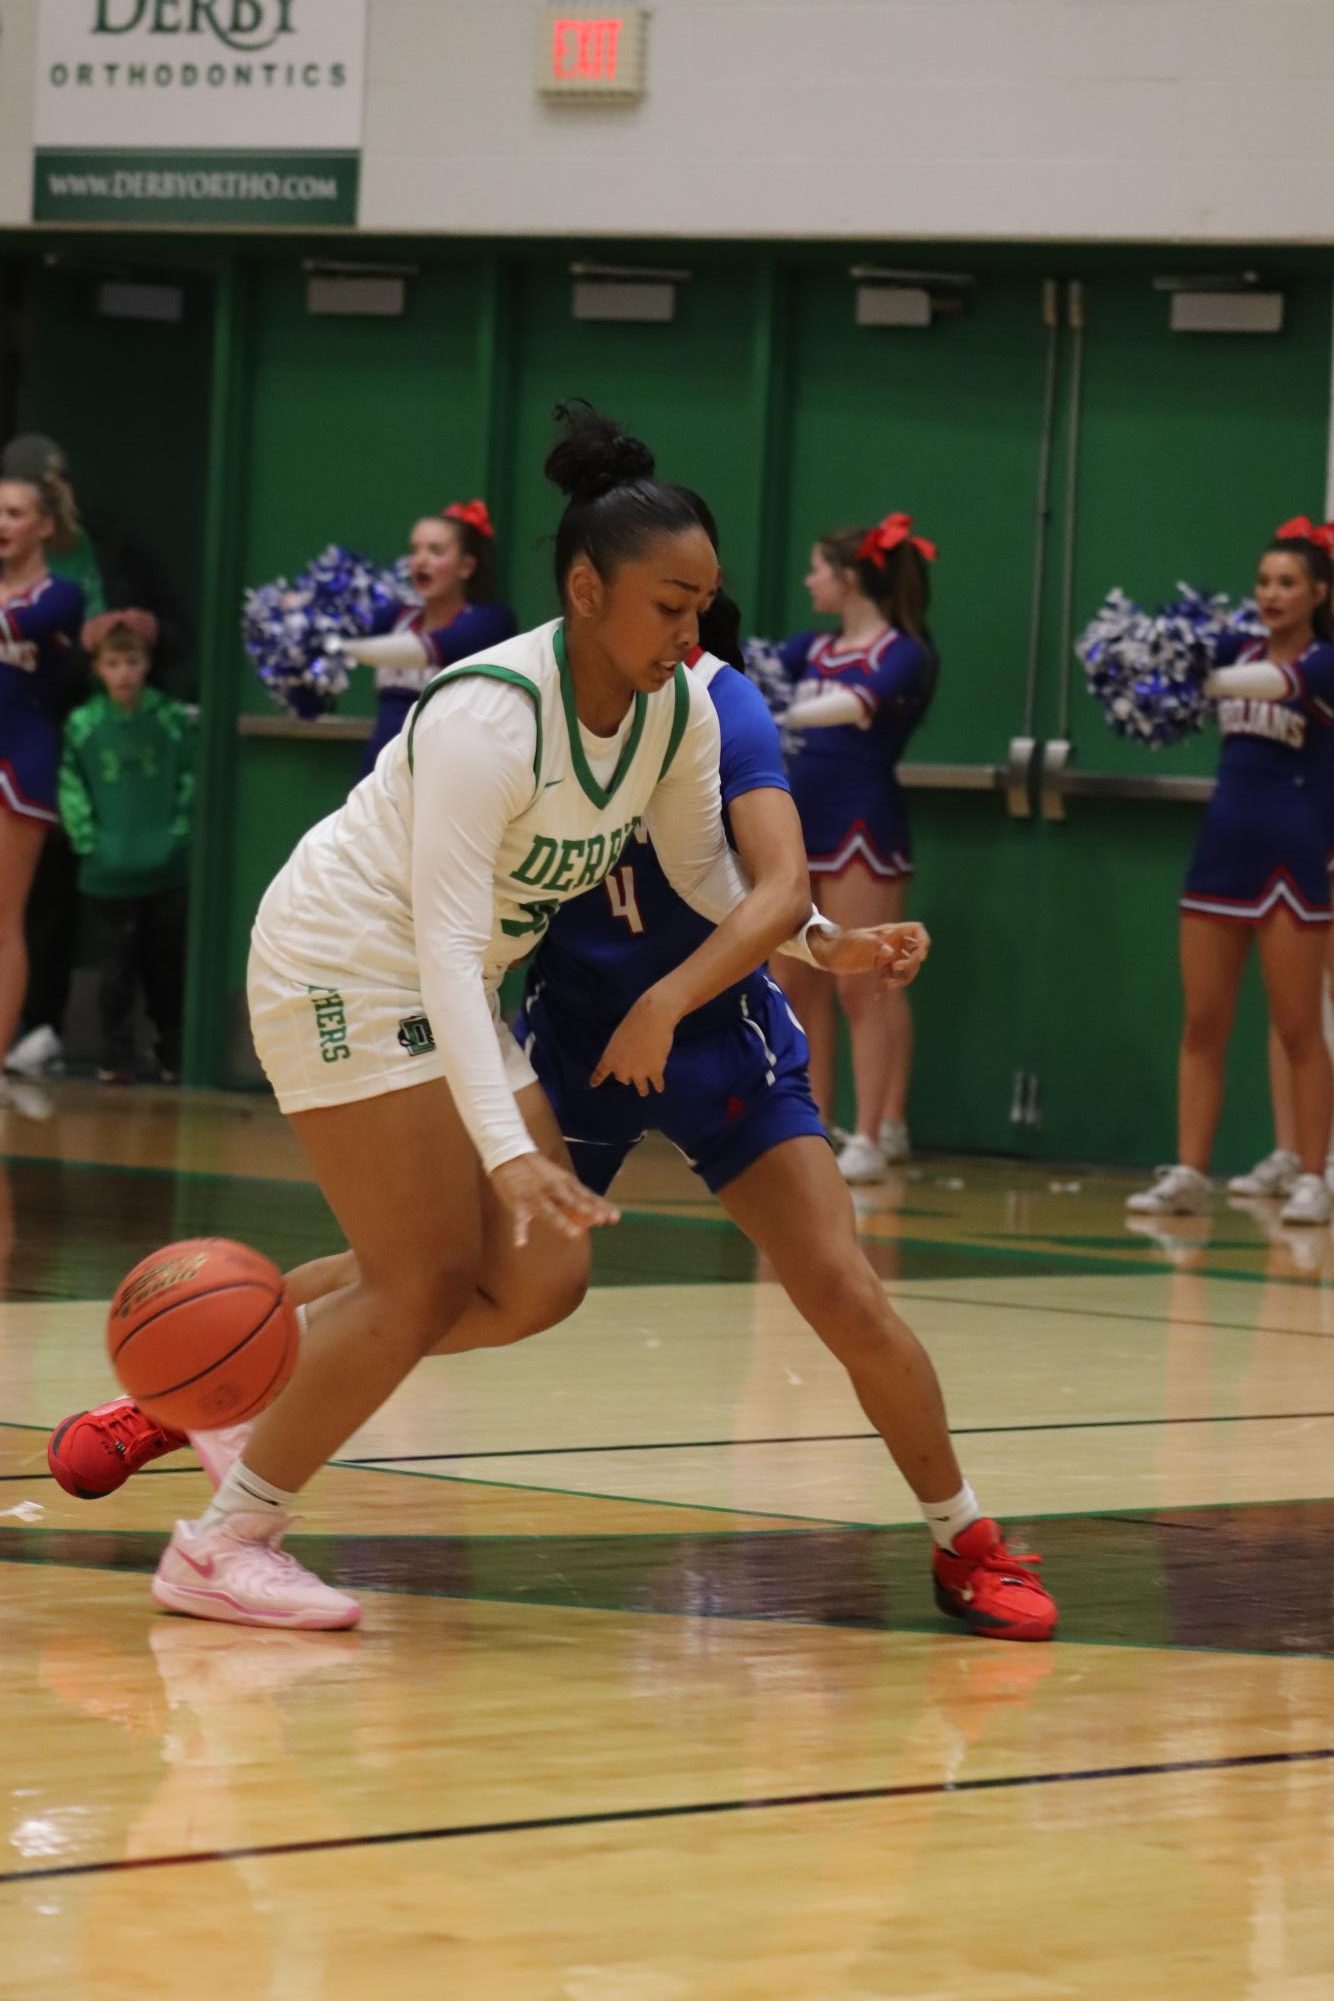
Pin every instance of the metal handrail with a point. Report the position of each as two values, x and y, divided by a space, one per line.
326 729
945 777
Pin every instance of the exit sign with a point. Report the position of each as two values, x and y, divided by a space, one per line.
593 55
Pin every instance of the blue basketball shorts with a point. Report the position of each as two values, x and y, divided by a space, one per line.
733 1093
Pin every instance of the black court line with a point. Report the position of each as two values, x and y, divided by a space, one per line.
823 1438
1210 1326
387 1459
626 1816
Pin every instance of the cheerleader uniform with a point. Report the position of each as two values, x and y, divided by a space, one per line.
843 779
472 630
1269 827
38 631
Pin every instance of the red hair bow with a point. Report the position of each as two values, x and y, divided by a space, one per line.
474 512
876 544
1302 528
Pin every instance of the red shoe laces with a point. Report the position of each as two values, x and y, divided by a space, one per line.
126 1427
1023 1568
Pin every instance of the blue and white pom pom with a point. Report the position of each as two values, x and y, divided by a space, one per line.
766 670
289 628
1148 670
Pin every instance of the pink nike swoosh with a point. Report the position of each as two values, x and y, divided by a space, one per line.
205 1568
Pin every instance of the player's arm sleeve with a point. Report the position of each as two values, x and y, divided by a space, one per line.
73 797
1255 681
390 649
826 706
473 754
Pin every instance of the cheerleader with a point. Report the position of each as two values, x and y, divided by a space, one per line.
376 959
40 617
452 568
1259 872
861 693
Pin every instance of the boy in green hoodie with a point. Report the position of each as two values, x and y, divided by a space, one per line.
126 790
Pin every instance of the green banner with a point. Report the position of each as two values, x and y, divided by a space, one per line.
195 189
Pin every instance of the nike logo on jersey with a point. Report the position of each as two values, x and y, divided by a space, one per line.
552 781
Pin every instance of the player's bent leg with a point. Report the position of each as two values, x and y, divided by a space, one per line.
418 1263
92 1453
522 1292
794 1206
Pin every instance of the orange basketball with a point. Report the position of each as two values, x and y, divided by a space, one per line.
202 1334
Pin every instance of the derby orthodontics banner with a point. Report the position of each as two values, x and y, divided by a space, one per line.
199 112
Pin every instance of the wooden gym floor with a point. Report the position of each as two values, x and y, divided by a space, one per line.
651 1700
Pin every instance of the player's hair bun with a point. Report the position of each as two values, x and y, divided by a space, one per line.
595 455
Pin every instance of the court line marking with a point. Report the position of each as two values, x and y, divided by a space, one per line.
825 1438
1165 1319
626 1816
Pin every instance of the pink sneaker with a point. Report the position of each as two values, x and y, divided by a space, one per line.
239 1572
219 1450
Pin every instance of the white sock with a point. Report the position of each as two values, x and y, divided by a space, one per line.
946 1519
244 1493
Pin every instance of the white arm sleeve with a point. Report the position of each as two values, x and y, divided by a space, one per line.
684 821
1253 680
472 774
391 649
831 705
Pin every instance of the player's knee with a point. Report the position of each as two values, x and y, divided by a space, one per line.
849 1309
858 995
1299 1035
562 1288
1205 1032
419 1306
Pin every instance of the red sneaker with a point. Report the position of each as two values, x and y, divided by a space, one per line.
95 1451
998 1595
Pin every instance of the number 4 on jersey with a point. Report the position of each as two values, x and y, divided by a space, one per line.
621 892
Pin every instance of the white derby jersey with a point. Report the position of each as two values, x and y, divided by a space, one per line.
445 865
573 828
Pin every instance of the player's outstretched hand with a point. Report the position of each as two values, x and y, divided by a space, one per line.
638 1051
896 951
535 1190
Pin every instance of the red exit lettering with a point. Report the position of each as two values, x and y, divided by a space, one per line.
585 51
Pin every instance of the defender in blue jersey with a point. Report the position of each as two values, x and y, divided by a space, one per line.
736 1080
736 1100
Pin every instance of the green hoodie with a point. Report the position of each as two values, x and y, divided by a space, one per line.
126 789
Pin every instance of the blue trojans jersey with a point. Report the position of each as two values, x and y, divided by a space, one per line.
1288 739
38 631
606 948
893 678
